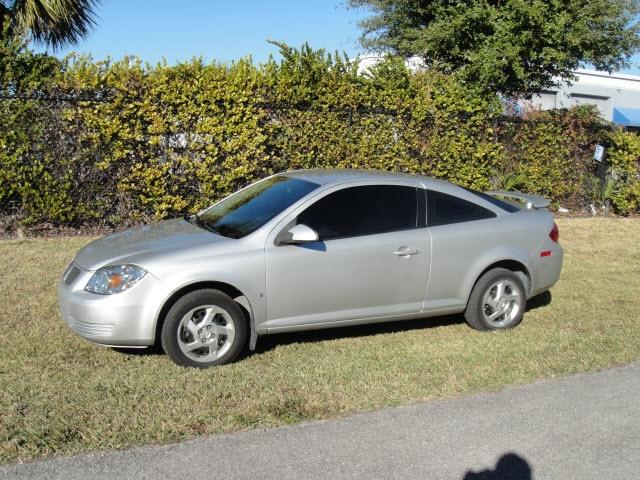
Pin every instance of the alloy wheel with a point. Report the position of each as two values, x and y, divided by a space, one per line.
501 303
206 333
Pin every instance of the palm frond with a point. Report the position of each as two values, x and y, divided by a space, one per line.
54 22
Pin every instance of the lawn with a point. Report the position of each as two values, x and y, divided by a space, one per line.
60 394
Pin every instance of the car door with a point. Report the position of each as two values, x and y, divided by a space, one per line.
461 233
372 258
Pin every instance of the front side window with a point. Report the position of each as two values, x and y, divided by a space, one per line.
443 209
364 210
247 210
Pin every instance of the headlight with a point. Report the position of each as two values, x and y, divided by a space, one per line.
114 279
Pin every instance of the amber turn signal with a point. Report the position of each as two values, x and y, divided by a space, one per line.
115 280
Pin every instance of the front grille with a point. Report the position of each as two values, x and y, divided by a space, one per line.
90 329
72 275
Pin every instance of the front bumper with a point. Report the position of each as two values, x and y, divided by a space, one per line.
125 319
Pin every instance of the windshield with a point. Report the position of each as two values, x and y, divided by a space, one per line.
247 210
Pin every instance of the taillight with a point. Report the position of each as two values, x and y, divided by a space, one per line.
554 234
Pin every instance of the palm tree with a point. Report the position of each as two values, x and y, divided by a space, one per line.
51 22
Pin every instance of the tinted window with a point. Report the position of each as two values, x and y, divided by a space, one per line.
443 209
249 209
506 206
363 210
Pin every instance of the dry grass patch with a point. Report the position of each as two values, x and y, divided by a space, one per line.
61 394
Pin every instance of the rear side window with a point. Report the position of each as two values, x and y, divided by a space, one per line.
443 209
365 210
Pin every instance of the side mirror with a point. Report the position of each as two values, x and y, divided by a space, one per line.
300 234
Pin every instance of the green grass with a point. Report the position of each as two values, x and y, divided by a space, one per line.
60 394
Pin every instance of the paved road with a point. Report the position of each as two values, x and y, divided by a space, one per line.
580 427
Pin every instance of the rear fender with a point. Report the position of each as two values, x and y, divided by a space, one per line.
493 257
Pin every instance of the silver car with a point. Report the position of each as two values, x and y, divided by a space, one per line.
312 249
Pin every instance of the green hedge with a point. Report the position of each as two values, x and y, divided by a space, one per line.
87 143
624 178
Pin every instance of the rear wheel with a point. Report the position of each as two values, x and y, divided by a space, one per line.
497 301
204 328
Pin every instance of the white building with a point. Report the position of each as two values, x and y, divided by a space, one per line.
365 62
617 96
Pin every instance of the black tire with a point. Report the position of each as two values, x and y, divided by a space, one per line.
478 312
190 303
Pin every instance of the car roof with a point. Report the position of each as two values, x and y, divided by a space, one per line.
343 175
338 176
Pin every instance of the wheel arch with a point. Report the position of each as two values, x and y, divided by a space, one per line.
515 266
237 295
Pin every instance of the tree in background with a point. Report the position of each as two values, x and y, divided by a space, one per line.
51 22
515 47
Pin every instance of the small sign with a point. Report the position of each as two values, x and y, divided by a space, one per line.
598 153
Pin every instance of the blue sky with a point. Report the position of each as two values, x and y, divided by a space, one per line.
222 30
217 30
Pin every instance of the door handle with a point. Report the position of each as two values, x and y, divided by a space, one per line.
406 251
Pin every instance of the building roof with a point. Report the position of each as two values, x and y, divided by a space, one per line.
613 75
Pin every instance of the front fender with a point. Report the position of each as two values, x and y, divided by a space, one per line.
243 271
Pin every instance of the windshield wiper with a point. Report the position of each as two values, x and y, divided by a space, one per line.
196 220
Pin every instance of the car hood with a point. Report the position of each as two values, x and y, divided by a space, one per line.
145 240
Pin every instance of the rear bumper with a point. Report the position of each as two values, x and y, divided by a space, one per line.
545 270
124 319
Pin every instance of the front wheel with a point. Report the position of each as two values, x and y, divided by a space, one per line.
204 328
497 301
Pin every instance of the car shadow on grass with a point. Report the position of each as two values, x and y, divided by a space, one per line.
140 352
269 342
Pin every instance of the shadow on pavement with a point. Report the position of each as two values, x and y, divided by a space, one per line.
510 466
